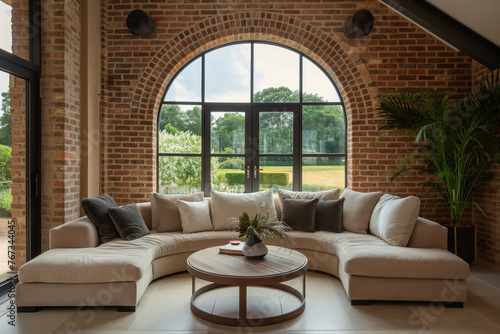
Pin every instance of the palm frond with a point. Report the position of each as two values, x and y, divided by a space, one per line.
458 139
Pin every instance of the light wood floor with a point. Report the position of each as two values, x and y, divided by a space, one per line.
165 309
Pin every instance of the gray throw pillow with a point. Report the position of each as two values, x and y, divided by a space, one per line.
96 209
299 214
329 215
128 221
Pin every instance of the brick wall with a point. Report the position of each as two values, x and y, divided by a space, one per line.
397 54
20 47
60 113
488 197
136 72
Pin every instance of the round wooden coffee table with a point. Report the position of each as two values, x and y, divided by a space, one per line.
279 265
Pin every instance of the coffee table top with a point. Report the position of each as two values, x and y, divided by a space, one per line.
280 264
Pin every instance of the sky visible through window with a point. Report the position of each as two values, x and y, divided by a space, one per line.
227 75
5 40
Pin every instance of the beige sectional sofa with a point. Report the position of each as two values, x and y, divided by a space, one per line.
77 271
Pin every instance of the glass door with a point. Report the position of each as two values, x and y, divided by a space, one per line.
228 152
20 139
18 174
251 153
275 126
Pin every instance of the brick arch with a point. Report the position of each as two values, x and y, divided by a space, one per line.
350 78
220 30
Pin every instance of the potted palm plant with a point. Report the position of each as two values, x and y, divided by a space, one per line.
457 138
255 228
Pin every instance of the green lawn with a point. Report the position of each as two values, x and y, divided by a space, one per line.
288 169
323 177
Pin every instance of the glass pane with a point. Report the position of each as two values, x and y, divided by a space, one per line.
179 175
323 129
14 27
226 174
227 74
276 173
317 87
276 74
179 129
227 133
12 174
323 173
187 85
276 132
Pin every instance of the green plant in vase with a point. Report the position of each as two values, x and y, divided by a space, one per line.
256 228
457 138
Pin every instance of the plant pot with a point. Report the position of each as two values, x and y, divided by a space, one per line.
462 242
254 249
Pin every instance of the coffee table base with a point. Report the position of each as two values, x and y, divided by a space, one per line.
242 320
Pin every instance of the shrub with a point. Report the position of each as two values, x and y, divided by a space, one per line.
181 173
282 179
270 178
5 202
5 166
235 178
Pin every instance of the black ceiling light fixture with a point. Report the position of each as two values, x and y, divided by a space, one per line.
141 24
359 25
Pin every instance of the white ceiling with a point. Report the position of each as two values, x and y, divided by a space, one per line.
482 16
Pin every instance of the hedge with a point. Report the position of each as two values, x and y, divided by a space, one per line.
279 178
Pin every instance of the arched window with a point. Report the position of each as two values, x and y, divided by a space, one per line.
251 116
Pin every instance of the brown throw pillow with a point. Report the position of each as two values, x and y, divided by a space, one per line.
165 210
329 215
299 214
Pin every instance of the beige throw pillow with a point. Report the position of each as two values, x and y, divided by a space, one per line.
195 216
358 208
332 194
394 218
226 206
165 211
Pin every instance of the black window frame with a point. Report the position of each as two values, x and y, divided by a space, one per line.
30 71
251 110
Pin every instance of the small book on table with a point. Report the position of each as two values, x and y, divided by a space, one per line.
232 249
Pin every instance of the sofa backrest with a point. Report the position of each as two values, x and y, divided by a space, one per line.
426 234
145 209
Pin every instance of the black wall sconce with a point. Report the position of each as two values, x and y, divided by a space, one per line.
359 25
141 24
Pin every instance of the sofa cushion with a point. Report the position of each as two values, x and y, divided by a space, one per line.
96 208
324 195
329 215
165 211
118 260
226 206
393 218
358 208
88 265
299 214
361 259
370 256
128 221
195 216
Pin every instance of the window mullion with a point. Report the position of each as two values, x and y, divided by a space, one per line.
297 149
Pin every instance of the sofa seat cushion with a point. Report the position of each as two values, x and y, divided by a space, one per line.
367 255
117 260
370 256
87 265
